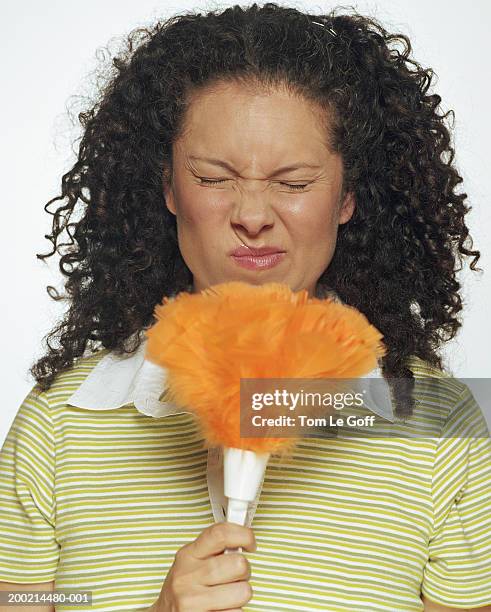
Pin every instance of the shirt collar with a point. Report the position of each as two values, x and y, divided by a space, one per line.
117 381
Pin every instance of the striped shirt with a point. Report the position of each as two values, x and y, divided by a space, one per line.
101 500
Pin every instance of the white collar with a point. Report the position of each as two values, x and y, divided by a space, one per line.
117 381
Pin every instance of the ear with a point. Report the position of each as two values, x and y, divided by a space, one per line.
169 200
347 208
168 194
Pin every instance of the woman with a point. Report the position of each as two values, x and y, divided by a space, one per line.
256 144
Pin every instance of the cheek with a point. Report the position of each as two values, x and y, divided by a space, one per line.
200 220
197 209
312 218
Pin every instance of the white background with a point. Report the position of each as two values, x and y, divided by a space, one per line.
48 55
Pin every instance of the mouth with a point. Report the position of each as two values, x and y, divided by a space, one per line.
258 258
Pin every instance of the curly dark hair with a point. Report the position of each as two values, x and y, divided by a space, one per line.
395 260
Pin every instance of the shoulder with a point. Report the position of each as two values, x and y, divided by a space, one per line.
443 403
67 381
436 378
422 368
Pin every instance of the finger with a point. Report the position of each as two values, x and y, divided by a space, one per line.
223 569
216 538
227 596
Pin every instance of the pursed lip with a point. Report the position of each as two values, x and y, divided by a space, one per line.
244 251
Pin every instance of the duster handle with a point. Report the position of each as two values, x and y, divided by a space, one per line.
243 473
237 511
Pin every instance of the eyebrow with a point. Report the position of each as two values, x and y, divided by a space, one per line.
223 164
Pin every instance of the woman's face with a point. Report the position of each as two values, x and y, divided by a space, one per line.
254 169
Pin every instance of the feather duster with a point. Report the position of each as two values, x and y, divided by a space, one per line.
208 341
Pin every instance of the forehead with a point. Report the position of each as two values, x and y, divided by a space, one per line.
236 115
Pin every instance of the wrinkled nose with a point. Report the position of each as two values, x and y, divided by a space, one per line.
251 213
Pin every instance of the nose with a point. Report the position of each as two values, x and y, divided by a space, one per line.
252 213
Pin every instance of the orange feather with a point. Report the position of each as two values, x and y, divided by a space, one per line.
208 341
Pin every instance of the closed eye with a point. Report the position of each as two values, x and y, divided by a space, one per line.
211 181
294 187
206 181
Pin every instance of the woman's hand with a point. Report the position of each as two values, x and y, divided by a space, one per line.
202 579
